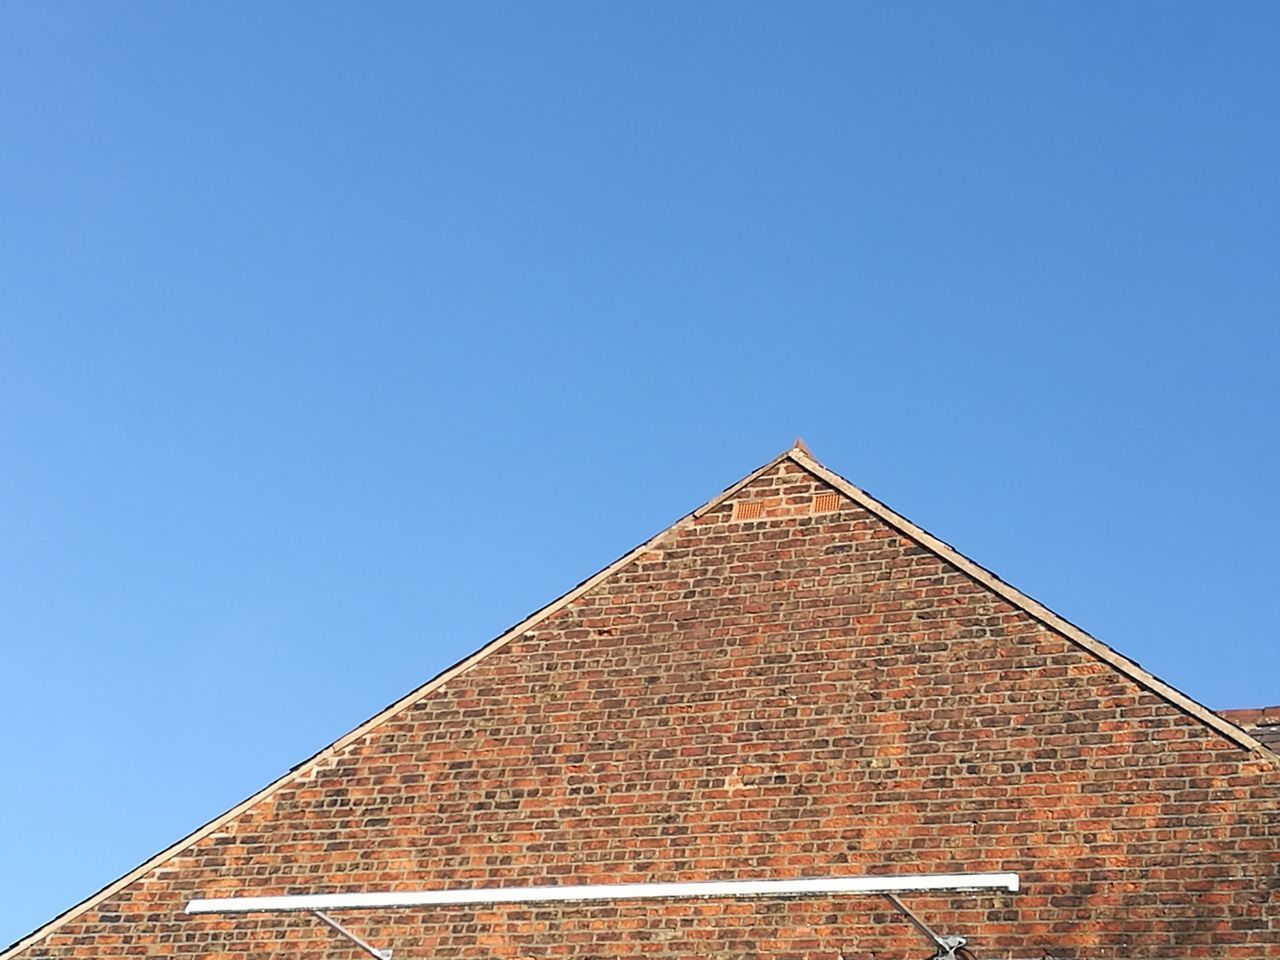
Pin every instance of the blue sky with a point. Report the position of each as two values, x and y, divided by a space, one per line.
337 338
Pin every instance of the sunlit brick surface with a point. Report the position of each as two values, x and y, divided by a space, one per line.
804 694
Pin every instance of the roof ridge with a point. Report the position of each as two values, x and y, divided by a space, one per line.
1253 716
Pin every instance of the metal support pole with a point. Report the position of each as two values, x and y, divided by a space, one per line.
948 947
339 928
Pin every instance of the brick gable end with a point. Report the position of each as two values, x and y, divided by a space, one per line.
786 689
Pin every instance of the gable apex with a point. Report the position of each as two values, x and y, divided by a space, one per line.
800 455
795 458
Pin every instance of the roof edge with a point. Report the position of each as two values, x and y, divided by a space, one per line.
798 454
378 719
1034 608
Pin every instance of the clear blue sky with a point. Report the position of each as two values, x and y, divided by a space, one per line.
338 338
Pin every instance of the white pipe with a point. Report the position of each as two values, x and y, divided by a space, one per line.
922 883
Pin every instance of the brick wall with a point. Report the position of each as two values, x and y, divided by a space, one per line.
799 694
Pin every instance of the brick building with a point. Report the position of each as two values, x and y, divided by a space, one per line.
1263 724
790 682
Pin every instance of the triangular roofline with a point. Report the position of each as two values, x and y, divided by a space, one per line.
1034 608
798 454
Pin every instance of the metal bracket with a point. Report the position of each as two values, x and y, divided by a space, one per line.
949 948
339 928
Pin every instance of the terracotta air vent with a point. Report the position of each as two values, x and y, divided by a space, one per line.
826 503
747 510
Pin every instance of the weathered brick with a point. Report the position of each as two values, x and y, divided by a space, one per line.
801 693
